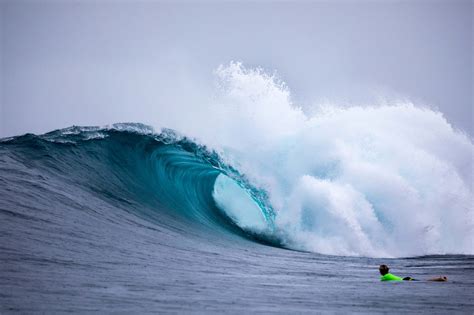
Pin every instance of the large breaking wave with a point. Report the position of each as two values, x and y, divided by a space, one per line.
130 165
386 180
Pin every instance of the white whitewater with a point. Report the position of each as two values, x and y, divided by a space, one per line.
380 180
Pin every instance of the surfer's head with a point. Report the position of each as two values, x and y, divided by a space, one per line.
383 269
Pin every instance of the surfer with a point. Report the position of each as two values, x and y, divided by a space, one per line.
386 276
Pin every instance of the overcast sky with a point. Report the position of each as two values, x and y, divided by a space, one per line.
100 62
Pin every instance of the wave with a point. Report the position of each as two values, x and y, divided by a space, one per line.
135 169
392 180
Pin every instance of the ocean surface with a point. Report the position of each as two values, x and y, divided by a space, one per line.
124 219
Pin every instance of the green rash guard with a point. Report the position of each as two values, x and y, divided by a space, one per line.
390 277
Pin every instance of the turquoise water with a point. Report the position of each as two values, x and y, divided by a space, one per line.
126 220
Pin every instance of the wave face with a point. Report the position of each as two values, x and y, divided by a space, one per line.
392 180
146 174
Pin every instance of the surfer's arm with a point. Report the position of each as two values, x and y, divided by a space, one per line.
439 279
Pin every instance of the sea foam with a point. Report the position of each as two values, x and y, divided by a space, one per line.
390 179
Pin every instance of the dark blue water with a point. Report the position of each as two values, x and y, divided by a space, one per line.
124 221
